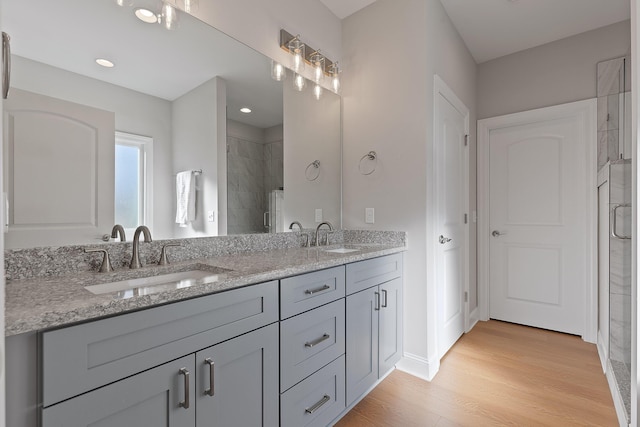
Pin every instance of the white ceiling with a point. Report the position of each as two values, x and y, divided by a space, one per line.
344 8
494 28
71 34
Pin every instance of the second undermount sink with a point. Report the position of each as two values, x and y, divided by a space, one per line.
341 250
163 282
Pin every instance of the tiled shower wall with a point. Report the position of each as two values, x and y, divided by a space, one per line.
254 168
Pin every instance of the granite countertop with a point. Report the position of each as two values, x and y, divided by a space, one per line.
47 302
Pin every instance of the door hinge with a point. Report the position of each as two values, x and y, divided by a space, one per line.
466 296
466 218
466 140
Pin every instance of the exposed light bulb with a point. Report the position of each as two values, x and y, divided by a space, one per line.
169 16
299 82
334 71
296 48
317 91
190 6
278 72
317 60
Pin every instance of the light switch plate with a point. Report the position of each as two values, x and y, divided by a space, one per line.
369 215
318 215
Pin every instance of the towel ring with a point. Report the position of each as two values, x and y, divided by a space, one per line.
373 160
309 173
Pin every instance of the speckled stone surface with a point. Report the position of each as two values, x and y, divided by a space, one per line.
54 295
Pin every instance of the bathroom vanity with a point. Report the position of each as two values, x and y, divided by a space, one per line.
287 337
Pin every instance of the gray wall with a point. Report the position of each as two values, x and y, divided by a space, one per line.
388 102
555 73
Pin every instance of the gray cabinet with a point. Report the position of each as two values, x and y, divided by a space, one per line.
374 322
156 397
237 381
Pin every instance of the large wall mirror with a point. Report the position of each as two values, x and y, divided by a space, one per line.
87 146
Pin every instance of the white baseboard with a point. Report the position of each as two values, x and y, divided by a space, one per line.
474 318
418 366
602 352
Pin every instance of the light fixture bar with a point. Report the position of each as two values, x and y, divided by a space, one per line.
286 37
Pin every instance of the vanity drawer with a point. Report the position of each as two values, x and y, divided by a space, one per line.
311 290
316 401
365 274
309 341
87 356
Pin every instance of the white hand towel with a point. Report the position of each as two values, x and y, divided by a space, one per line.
186 198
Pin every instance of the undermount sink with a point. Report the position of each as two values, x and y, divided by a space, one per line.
341 250
158 283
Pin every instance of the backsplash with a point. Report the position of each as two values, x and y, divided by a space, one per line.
57 261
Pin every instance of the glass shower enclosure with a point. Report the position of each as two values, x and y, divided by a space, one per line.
614 228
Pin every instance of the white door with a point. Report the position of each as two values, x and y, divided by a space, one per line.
451 121
538 185
59 171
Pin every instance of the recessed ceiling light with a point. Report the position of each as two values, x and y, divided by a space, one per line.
105 63
245 110
145 15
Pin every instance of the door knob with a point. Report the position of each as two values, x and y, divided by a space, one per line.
443 239
496 233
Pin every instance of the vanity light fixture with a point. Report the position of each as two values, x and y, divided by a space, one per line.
105 63
299 82
145 15
278 72
322 66
168 16
317 62
296 48
334 72
245 110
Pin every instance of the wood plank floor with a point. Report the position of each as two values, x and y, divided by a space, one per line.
500 374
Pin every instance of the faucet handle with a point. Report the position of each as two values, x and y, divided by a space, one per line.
163 254
106 266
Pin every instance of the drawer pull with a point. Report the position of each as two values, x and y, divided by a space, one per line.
185 404
318 404
211 390
384 304
315 291
377 297
317 341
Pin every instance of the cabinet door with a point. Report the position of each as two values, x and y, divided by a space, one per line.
390 349
362 342
152 398
242 389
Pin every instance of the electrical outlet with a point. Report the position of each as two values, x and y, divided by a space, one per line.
211 216
369 215
318 215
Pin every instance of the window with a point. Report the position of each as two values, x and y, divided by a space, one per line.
133 181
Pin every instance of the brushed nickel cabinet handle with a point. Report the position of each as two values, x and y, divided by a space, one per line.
377 306
384 294
211 390
315 291
317 341
318 404
185 404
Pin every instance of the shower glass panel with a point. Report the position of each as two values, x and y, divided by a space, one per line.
614 142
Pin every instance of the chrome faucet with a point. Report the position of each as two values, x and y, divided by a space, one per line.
318 230
295 223
135 256
118 229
